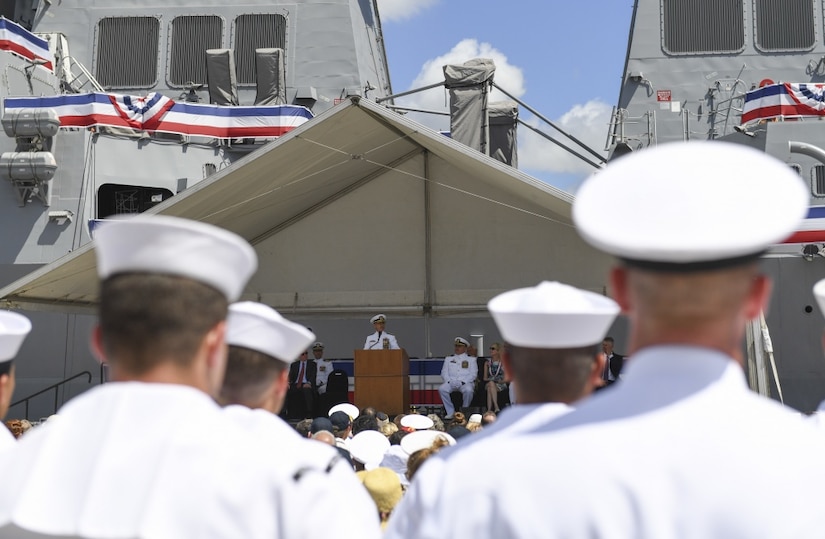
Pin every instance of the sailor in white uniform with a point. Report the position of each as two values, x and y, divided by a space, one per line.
262 345
323 367
14 328
681 449
380 339
459 373
151 454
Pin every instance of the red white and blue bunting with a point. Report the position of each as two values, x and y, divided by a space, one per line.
20 41
784 100
156 112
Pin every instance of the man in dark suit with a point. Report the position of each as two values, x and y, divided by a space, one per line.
302 391
613 362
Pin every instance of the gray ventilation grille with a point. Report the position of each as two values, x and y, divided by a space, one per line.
818 180
127 52
262 31
190 36
702 26
784 25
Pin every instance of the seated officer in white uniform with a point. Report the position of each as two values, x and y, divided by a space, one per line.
262 345
151 454
13 330
682 448
322 367
380 339
459 374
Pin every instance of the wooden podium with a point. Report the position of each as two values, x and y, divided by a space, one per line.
382 380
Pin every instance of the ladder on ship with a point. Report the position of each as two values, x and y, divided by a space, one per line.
759 356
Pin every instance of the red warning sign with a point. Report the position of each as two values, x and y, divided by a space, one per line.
662 95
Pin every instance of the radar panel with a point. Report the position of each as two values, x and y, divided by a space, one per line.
702 26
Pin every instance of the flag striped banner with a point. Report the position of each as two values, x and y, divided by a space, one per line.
782 100
812 229
20 41
156 112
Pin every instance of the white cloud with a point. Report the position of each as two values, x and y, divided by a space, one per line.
397 10
587 122
507 76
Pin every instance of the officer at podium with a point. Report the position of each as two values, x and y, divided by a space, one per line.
380 339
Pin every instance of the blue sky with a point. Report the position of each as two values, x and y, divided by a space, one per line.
564 59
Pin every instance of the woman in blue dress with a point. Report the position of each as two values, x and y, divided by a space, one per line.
494 377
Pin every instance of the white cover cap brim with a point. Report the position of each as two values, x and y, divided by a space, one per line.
261 328
368 447
350 409
169 245
422 439
690 202
552 315
417 422
14 328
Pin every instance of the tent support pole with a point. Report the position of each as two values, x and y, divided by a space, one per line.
428 261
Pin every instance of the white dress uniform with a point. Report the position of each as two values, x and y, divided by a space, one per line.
376 341
134 459
459 373
682 449
325 482
323 368
7 439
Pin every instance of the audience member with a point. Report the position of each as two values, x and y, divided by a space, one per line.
14 328
635 461
474 423
367 449
421 445
262 344
364 422
302 427
326 437
438 423
459 374
494 376
385 489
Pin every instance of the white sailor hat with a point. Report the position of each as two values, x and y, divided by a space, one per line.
474 418
552 315
261 328
378 318
462 342
350 409
169 245
317 345
422 439
690 206
819 294
13 330
417 422
368 448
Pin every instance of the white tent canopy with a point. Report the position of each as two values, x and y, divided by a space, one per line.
361 211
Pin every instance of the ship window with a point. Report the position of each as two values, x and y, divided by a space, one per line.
119 199
702 26
818 181
784 25
261 31
127 52
190 36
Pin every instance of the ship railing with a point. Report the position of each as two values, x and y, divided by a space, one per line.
55 388
618 133
75 83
